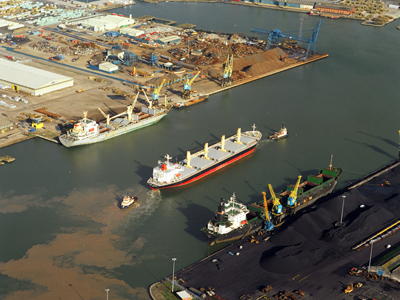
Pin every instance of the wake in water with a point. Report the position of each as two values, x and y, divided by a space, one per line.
148 203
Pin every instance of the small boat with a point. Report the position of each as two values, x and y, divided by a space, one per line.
190 102
127 201
283 133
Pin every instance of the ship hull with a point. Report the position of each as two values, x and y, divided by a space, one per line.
203 173
69 142
257 223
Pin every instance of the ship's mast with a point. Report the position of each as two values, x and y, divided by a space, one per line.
330 165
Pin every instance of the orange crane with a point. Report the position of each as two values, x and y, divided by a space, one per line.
41 32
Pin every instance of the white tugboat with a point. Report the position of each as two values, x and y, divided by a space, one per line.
127 201
283 133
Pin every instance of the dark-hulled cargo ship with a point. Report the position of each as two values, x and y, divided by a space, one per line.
204 162
235 220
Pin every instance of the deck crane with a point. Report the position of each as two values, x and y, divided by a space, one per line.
227 76
156 92
268 224
293 195
276 204
107 116
274 35
187 86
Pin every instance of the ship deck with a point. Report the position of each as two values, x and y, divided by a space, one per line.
199 162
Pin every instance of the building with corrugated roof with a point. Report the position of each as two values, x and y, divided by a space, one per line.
31 80
108 22
168 39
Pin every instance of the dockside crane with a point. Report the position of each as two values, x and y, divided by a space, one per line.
276 206
274 35
291 202
41 31
227 76
268 224
156 93
187 87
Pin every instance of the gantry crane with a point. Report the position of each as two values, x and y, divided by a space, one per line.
187 87
291 202
227 76
41 31
276 206
268 224
274 35
156 92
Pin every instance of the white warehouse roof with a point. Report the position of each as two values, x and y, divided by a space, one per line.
108 22
131 31
30 79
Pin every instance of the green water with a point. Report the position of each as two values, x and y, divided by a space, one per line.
346 106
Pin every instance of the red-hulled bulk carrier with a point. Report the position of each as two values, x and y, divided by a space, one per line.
204 162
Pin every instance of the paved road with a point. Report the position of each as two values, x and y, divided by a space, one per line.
308 252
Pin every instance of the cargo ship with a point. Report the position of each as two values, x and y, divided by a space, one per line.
191 102
87 131
204 162
234 220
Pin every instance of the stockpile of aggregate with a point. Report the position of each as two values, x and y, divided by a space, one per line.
310 239
261 63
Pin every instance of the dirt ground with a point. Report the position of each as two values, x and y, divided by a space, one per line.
70 104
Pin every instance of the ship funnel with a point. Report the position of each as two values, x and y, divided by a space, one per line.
221 211
223 143
84 116
206 151
239 134
188 158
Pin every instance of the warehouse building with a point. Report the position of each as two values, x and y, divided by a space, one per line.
130 32
168 39
32 80
108 22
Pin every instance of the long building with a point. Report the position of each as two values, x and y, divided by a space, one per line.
31 80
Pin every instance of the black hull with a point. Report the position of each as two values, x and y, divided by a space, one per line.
257 223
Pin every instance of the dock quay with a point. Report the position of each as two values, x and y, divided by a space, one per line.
47 139
309 248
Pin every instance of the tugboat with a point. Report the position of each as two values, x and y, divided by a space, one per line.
283 133
127 201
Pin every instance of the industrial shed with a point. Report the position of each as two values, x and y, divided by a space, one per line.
131 32
168 39
104 23
32 80
300 4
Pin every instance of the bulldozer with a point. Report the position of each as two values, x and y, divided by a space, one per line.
253 240
349 289
80 91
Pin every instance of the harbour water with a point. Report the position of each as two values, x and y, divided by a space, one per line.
62 234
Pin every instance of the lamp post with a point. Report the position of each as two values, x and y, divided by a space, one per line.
173 273
370 257
107 290
341 216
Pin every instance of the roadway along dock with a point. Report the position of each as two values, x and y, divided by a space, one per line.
311 254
